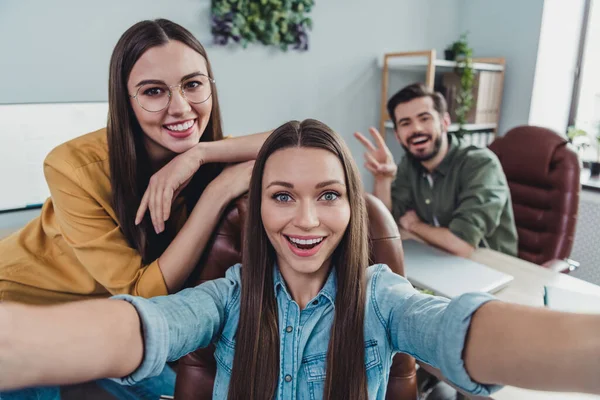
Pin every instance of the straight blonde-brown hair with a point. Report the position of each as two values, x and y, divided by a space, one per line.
256 362
129 162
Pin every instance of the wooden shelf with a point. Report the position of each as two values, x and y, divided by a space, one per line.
454 127
420 64
491 70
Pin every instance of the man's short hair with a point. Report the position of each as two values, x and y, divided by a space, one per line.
415 91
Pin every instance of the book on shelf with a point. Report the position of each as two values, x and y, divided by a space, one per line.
487 88
478 138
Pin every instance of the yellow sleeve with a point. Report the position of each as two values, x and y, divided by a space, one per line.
95 237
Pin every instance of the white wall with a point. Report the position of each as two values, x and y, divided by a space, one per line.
60 50
510 29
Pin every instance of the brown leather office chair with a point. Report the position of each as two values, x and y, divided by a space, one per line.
543 176
196 371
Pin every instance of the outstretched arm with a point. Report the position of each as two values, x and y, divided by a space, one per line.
131 340
524 346
69 343
478 342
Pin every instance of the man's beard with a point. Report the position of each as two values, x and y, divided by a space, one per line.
437 144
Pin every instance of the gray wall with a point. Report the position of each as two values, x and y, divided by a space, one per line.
59 51
511 29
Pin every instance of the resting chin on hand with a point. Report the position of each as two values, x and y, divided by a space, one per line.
437 236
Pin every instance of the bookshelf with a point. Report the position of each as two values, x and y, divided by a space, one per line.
488 89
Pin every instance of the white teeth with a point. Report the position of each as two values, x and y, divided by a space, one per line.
305 242
180 127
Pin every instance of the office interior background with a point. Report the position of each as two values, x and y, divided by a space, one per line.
60 53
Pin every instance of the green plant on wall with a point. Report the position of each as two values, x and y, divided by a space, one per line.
281 23
463 54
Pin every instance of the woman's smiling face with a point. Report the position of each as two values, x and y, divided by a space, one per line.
179 126
304 208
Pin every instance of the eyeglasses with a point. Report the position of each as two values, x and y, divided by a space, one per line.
155 97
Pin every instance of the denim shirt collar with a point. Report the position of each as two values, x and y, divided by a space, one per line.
328 291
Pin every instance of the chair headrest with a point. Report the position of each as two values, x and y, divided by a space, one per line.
529 153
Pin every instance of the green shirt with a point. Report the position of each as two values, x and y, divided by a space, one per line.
467 193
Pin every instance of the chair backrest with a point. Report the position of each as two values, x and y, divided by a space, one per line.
196 371
543 176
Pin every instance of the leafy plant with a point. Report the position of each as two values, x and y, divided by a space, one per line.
573 132
461 48
464 68
280 23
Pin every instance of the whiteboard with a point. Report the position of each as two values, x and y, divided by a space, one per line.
27 134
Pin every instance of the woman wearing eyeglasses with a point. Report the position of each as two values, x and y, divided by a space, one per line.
133 205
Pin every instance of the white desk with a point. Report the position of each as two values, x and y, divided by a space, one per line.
530 279
528 289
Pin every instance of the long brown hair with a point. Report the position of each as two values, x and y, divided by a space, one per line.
129 162
256 361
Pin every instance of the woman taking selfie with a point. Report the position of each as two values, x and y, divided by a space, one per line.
162 151
304 267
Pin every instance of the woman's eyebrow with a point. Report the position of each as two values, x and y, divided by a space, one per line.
329 182
150 81
159 82
193 74
280 183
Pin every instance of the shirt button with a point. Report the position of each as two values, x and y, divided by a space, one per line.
288 329
288 378
427 201
315 302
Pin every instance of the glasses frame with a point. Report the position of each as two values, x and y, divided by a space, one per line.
181 91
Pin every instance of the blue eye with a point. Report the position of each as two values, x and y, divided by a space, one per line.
282 197
330 196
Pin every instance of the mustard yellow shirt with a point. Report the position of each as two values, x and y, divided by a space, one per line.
75 250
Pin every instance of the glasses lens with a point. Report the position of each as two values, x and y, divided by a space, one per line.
153 97
197 89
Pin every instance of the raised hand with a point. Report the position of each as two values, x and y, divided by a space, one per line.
378 158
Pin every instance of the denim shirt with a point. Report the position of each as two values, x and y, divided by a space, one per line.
397 319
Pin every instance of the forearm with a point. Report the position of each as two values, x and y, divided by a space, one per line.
236 149
181 257
76 342
534 348
442 238
382 189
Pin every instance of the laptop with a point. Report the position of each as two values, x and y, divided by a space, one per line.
447 275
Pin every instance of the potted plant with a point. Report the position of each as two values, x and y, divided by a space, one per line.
459 49
460 52
578 140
